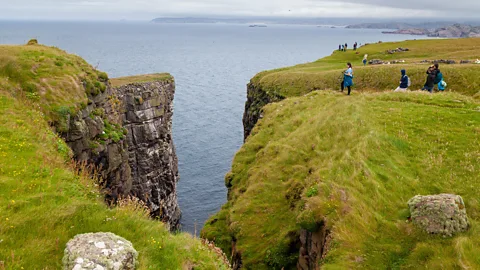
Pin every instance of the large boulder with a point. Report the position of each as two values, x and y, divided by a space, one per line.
99 251
439 214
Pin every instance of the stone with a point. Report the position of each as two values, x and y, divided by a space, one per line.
443 214
99 251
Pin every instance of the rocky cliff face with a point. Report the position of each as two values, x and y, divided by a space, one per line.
151 153
256 99
126 133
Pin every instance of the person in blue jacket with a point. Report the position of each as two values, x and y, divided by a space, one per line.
348 78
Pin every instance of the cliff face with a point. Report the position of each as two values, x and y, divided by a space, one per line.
126 133
151 153
256 99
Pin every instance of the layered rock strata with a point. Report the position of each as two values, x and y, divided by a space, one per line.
151 153
126 133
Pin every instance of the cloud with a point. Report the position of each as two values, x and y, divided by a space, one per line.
147 9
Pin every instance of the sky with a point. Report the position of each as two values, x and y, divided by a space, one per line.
149 9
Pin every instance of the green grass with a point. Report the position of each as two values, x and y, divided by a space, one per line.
49 76
116 82
326 72
354 162
44 199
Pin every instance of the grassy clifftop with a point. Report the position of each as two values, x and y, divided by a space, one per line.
44 199
352 164
349 164
326 72
141 78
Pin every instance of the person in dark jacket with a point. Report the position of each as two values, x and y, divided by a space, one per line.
431 75
404 82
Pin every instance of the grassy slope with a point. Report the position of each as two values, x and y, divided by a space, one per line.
141 78
43 202
326 72
355 162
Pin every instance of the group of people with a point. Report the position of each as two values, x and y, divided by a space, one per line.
344 47
434 77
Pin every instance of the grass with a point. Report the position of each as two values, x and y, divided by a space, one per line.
352 163
50 77
326 72
116 82
45 198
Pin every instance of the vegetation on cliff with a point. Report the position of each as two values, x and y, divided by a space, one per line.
349 164
45 199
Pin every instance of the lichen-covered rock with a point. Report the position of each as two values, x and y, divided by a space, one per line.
439 214
99 251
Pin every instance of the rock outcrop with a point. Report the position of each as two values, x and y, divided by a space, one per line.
99 251
257 98
439 214
151 153
126 133
313 247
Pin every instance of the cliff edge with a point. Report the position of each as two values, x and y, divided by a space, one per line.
49 192
323 179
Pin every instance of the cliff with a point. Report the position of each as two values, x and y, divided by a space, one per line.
323 180
151 153
126 133
46 198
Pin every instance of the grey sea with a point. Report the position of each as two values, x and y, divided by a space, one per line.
211 63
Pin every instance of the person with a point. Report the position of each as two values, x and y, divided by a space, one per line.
355 46
404 82
431 74
346 46
438 77
339 47
343 48
348 78
365 57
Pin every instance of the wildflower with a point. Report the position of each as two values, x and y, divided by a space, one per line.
6 219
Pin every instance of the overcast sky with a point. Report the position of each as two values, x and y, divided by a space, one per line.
149 9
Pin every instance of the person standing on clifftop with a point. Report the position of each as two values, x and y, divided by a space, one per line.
431 75
343 48
365 59
348 78
339 47
346 46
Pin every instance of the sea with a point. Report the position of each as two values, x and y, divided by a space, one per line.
211 63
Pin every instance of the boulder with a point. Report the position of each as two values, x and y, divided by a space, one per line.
439 214
99 251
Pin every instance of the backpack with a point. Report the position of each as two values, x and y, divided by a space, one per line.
443 83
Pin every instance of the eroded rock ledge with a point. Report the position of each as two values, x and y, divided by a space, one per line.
126 132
